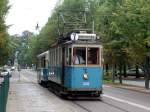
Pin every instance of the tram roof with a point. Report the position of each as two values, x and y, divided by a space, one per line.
83 42
43 54
77 43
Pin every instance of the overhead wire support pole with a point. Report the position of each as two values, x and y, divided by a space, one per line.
85 17
85 11
58 26
93 27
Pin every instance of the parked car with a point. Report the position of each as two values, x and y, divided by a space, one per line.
5 72
132 72
13 68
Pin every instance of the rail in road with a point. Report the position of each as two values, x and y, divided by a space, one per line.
111 105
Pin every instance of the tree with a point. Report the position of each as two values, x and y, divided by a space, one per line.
4 41
131 20
123 25
49 32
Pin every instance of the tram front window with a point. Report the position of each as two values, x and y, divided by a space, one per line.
93 56
79 55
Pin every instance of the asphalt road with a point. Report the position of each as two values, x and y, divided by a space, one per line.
113 99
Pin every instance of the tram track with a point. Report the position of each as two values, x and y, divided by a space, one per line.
82 107
114 106
99 100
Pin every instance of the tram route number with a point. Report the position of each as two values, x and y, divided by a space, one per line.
86 83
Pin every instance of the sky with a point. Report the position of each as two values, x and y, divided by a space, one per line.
25 14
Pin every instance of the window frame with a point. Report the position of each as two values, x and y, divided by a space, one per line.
85 56
86 63
97 57
67 55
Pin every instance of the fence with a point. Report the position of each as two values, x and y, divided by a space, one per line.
4 88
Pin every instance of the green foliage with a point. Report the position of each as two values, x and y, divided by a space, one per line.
4 40
14 44
131 20
123 25
49 32
24 46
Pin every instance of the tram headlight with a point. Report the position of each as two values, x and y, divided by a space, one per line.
85 76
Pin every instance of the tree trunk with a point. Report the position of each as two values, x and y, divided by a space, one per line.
124 70
107 67
120 73
137 71
114 73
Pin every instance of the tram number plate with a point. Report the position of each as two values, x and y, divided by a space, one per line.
86 83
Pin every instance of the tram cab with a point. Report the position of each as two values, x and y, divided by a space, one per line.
82 65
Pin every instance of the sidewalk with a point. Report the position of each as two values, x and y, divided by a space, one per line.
26 96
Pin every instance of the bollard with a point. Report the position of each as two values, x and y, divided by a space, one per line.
2 98
4 88
1 106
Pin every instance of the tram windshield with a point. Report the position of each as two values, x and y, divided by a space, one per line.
80 54
93 56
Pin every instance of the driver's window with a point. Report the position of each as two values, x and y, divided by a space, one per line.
79 55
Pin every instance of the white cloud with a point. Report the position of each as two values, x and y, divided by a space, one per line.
24 14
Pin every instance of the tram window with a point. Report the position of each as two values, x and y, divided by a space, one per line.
66 57
54 57
69 56
79 55
57 56
43 62
93 55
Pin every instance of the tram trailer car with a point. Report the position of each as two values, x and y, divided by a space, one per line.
75 66
43 68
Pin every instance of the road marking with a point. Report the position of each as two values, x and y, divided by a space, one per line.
127 102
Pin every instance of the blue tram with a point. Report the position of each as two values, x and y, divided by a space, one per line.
73 65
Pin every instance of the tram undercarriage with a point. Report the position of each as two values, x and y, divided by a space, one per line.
64 92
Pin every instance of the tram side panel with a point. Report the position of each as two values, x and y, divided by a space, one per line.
55 67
